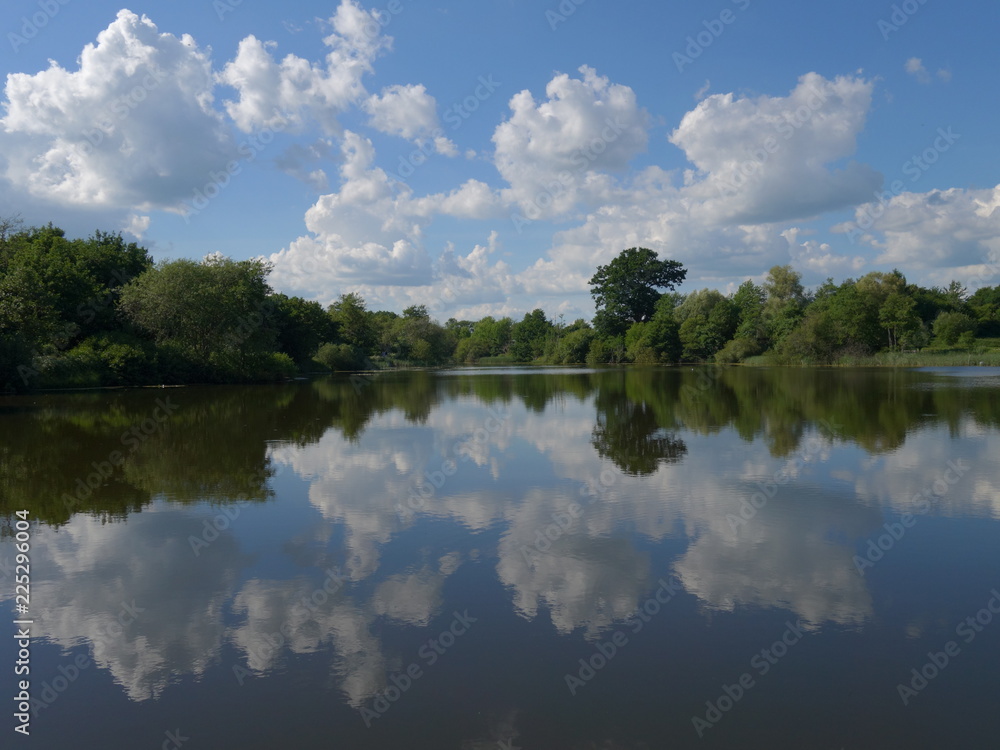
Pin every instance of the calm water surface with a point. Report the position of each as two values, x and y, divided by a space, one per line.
734 558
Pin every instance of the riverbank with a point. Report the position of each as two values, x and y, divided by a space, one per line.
925 358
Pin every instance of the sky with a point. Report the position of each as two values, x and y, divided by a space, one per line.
484 158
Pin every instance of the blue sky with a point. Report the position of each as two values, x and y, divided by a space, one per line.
483 158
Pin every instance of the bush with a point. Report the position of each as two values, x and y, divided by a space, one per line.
81 367
572 348
949 326
127 359
15 353
277 366
737 350
606 351
341 357
176 366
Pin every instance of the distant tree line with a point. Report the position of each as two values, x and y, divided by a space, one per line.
98 311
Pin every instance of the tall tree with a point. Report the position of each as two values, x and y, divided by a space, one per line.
216 311
355 324
626 290
530 335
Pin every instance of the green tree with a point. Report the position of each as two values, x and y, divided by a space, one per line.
418 339
985 308
626 290
216 313
750 300
354 325
529 336
707 321
301 327
493 336
657 341
897 315
786 301
55 292
950 326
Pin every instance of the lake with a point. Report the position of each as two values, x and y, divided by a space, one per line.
512 558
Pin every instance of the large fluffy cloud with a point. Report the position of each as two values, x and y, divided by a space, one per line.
758 162
133 127
370 234
949 233
296 92
558 152
767 159
411 113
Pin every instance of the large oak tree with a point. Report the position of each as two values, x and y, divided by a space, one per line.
626 290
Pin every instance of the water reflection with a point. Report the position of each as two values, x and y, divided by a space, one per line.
364 512
150 610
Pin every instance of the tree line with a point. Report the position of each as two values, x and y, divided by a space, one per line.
98 311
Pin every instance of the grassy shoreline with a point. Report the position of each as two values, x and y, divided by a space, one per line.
894 359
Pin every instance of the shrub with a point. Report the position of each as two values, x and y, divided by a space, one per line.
341 357
737 350
949 326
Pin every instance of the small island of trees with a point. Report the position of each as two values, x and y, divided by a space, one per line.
99 312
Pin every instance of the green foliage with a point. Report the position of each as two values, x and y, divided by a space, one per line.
341 358
97 312
218 311
125 359
530 335
301 327
950 326
606 351
572 347
490 338
15 362
984 306
626 290
898 316
737 350
708 321
416 339
354 324
785 303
